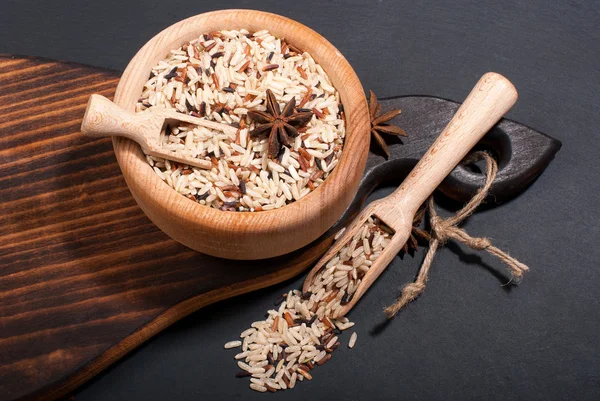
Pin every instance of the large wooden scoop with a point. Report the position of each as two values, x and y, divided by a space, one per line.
104 118
489 100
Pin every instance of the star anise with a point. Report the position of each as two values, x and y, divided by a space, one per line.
379 123
417 233
281 125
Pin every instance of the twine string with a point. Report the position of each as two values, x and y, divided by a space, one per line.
443 230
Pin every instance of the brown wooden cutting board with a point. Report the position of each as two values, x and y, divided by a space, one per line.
85 277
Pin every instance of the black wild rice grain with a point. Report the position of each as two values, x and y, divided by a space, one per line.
172 74
281 298
345 299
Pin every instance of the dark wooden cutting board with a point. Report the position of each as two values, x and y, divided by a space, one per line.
85 277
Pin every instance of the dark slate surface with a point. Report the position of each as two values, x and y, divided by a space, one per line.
467 337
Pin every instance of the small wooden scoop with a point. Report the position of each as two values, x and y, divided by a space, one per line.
104 118
489 100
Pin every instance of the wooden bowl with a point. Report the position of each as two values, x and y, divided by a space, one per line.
246 235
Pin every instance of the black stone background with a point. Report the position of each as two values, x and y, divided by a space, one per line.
467 337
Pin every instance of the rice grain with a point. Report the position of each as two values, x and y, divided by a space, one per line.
352 341
232 344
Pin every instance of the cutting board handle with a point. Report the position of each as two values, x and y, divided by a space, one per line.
490 99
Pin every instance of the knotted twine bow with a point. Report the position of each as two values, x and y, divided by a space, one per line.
444 229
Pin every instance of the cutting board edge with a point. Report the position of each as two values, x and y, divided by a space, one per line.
51 60
168 317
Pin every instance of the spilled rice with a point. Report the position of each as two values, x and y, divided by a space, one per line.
303 331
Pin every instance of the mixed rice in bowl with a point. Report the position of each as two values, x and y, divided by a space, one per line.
227 77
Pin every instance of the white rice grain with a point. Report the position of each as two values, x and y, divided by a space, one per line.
352 341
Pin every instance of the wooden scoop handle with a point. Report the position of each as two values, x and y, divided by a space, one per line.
104 118
490 99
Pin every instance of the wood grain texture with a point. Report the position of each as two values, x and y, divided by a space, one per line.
86 276
243 235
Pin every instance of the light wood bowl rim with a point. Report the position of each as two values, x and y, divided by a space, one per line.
139 174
